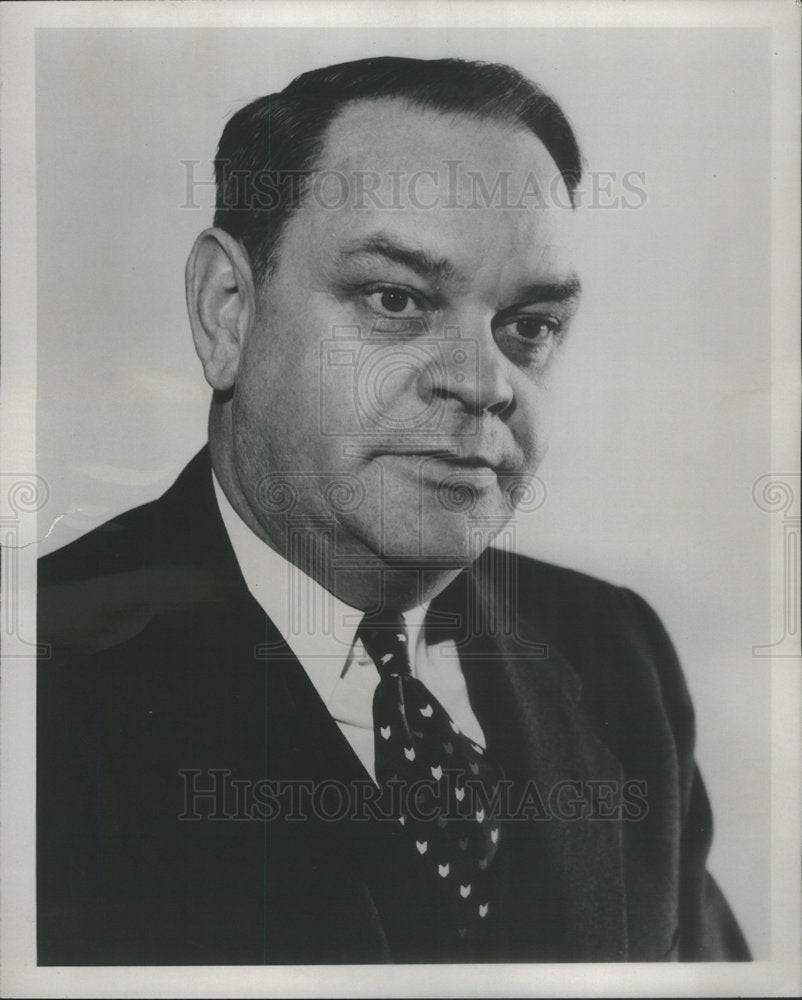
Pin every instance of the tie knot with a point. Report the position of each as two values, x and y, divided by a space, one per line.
384 637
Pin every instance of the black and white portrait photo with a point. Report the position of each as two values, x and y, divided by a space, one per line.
401 510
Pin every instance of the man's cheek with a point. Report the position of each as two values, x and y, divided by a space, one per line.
530 430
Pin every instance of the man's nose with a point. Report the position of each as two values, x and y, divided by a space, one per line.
471 368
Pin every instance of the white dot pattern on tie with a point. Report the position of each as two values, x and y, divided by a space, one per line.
419 747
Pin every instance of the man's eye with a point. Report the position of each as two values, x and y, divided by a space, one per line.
533 329
393 302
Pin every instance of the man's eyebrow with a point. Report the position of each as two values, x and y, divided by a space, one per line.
547 291
419 261
442 269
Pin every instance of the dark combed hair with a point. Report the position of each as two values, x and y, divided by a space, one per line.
282 135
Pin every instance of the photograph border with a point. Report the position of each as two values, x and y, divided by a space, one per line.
22 491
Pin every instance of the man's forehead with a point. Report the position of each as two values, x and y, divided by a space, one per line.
391 136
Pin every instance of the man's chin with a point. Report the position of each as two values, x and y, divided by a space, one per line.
448 540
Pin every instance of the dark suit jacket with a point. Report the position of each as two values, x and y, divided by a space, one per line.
162 673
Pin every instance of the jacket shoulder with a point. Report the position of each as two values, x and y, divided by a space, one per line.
149 564
114 546
609 633
162 530
569 597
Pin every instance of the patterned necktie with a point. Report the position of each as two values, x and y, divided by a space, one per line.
440 782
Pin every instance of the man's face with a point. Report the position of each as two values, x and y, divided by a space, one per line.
394 387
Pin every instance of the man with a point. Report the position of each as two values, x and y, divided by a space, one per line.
298 710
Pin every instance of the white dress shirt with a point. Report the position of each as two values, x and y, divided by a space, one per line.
321 632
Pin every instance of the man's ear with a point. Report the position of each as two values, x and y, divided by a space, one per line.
221 300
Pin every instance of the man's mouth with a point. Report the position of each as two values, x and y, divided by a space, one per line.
453 457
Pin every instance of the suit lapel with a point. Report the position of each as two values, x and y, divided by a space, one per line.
313 868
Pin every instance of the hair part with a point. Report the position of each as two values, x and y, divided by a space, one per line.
270 147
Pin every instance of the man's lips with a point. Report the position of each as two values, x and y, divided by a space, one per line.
473 460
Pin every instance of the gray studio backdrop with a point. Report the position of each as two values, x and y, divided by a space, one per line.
663 425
